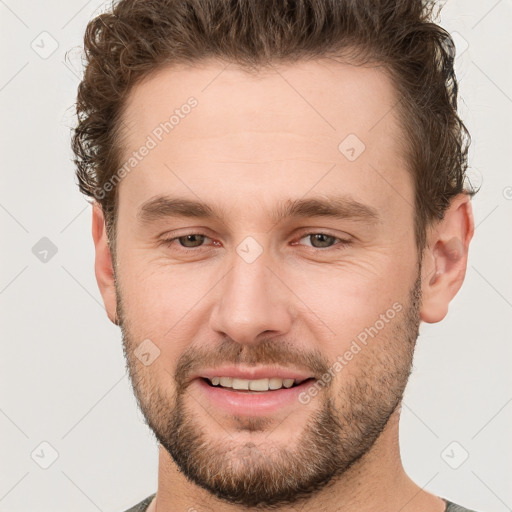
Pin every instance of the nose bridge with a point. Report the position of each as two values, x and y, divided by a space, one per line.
253 300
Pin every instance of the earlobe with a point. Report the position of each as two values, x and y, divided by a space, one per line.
446 259
103 263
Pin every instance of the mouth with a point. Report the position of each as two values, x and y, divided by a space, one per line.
254 385
251 397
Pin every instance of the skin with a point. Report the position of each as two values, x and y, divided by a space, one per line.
253 141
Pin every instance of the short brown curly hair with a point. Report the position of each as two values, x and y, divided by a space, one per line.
136 37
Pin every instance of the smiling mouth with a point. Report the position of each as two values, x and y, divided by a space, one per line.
255 385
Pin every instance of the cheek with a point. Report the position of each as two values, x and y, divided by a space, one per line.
350 288
345 301
160 299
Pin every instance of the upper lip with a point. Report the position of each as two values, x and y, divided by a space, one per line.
253 373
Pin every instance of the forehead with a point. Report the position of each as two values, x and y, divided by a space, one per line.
280 129
331 98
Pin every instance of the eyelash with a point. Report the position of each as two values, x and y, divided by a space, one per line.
341 245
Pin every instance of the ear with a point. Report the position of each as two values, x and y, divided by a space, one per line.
445 259
103 263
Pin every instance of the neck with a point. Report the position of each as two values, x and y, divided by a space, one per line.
377 481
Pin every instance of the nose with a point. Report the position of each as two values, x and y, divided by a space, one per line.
253 302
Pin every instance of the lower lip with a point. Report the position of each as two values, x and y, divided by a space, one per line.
246 403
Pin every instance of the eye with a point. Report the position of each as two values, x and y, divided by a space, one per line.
320 241
195 240
188 241
324 240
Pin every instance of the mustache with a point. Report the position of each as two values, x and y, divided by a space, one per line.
265 353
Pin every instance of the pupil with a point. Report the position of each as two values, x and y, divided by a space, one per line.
191 238
324 238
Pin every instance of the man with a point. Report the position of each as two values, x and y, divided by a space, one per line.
278 204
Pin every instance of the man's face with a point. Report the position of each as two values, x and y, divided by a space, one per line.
252 292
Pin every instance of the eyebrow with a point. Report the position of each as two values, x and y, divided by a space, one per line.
337 207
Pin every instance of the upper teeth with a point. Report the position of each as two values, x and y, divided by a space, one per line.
253 385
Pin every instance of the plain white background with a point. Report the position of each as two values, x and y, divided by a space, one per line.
62 374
